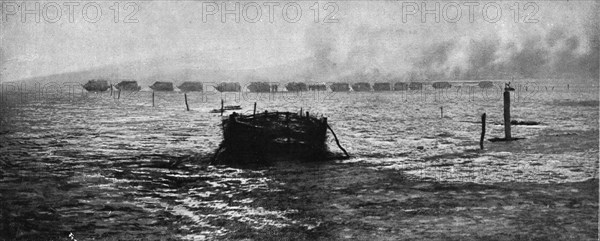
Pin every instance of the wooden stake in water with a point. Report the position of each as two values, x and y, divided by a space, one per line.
222 106
119 95
152 98
442 111
482 131
287 127
187 107
335 137
254 112
111 89
507 134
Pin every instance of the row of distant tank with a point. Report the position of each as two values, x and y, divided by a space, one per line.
131 85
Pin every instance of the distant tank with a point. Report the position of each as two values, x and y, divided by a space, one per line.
296 86
415 86
441 85
400 86
229 87
486 84
382 87
128 85
361 87
162 86
96 85
317 87
340 87
191 86
259 87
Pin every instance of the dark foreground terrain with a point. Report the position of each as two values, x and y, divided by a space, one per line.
318 202
100 168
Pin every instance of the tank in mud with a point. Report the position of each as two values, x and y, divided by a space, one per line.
96 85
296 87
485 84
317 87
441 85
399 86
361 87
128 85
382 86
415 86
162 86
189 86
340 87
229 87
259 87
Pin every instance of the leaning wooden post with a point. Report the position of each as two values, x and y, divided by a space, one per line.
222 106
507 134
336 139
254 112
187 107
152 98
482 131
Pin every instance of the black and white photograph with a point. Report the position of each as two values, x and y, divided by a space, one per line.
187 120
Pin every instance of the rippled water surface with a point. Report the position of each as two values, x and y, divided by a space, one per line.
94 165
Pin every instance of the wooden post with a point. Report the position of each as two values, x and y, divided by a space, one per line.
119 95
336 139
222 106
482 131
254 112
111 90
301 112
287 128
442 111
152 98
507 134
187 107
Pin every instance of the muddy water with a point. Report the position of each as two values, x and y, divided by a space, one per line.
97 167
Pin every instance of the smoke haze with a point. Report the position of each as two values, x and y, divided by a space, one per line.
370 43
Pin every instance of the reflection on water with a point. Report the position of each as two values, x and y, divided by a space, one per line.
94 165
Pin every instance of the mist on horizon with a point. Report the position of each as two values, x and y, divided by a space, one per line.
371 41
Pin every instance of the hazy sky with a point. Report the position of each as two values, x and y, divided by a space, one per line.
365 34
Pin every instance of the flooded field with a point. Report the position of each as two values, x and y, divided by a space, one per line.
86 166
